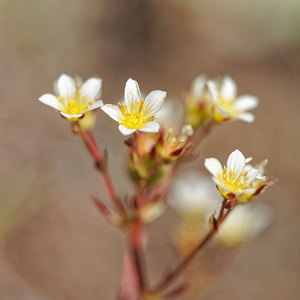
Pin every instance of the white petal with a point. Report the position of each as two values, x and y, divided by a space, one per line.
91 88
246 102
252 174
187 130
213 90
71 116
222 111
126 131
198 85
228 88
171 114
222 186
154 101
248 159
247 191
236 162
95 105
213 166
246 117
132 93
112 110
50 100
150 127
262 166
66 86
204 199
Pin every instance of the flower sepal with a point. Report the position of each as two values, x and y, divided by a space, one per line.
152 155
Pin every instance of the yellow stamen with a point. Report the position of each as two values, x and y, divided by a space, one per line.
75 106
227 105
231 182
135 117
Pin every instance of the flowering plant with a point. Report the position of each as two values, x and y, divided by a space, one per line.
156 150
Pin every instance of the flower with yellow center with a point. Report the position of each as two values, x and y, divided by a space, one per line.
237 180
226 105
135 113
73 101
198 102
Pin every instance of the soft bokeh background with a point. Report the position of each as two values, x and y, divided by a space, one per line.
54 244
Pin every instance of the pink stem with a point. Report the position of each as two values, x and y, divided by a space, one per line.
89 141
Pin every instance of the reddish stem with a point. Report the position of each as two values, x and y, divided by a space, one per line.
137 244
89 141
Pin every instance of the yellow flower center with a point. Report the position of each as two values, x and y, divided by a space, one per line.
196 111
76 105
231 182
227 104
136 117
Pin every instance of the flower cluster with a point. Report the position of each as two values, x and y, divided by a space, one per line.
161 135
216 100
152 155
195 210
74 100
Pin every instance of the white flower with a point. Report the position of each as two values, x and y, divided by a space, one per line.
135 113
227 106
193 193
236 180
171 114
244 223
73 101
198 102
198 86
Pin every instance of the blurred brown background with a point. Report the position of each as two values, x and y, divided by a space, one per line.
54 244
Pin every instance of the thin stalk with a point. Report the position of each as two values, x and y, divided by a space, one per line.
137 243
89 141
